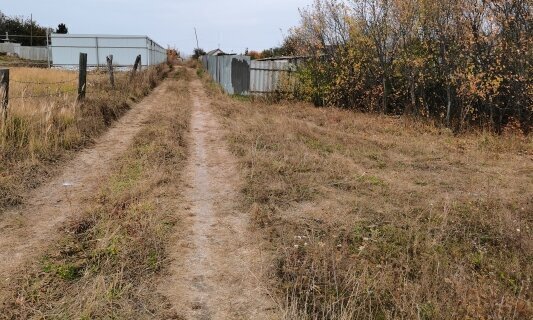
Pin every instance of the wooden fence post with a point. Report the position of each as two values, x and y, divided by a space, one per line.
110 68
136 65
4 91
82 82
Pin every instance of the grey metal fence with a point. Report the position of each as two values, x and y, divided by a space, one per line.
239 75
265 76
65 49
232 72
24 52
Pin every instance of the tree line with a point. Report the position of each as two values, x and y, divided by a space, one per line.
24 26
461 62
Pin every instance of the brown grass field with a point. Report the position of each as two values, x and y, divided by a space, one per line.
107 259
44 121
374 217
361 216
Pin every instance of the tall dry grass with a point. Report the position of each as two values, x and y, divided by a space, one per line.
44 121
373 217
106 263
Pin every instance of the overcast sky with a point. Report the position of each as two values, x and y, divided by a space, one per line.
234 24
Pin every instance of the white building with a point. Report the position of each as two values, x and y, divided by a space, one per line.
66 49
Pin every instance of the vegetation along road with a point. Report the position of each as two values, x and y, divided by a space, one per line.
191 204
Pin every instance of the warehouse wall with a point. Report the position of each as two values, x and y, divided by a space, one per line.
67 47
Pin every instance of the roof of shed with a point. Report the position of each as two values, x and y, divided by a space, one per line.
215 52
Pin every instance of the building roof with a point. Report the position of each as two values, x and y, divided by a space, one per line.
285 58
216 52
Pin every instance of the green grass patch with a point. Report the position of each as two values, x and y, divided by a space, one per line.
65 271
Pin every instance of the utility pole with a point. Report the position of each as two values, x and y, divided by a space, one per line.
196 34
31 30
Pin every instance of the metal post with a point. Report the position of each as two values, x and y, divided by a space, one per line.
4 91
151 60
82 82
135 66
97 55
110 68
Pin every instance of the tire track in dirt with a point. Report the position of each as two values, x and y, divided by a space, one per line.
215 273
26 230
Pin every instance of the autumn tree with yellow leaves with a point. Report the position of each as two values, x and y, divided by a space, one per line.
461 62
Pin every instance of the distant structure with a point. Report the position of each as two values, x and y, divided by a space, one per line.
6 39
66 49
216 52
238 74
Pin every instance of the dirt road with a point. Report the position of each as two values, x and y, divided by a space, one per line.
215 270
25 231
216 266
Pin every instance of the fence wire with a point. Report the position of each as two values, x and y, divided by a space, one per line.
56 94
45 83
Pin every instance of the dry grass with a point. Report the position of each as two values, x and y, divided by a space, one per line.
13 61
106 263
39 131
373 217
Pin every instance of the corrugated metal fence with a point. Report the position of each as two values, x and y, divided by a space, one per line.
239 75
67 47
28 53
34 53
265 76
231 72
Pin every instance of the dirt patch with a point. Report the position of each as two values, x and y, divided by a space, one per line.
216 271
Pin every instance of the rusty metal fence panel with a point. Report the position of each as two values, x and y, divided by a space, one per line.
266 75
232 72
240 75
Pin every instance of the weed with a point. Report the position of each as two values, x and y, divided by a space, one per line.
240 97
65 271
68 272
200 72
